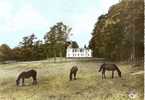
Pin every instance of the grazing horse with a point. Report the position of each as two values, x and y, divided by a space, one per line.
31 73
73 71
109 67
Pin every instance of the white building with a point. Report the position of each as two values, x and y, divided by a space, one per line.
78 53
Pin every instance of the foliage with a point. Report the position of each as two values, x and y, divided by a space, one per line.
5 52
118 35
56 38
55 45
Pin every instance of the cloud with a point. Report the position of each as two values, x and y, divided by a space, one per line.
83 23
5 9
24 21
5 15
28 18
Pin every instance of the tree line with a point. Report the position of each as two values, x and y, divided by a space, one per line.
119 34
30 48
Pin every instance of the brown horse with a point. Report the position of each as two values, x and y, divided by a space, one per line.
73 72
31 73
109 67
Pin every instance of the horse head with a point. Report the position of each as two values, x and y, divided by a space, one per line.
119 74
17 82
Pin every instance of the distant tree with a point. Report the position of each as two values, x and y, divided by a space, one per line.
28 41
5 52
27 48
39 50
56 38
17 53
27 54
75 44
1 56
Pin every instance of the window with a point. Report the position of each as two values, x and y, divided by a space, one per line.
73 50
81 50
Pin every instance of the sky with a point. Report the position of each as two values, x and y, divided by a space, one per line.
19 18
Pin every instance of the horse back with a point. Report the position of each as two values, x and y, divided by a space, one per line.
110 67
28 74
32 72
74 69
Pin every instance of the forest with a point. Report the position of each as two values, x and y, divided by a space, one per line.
119 34
30 48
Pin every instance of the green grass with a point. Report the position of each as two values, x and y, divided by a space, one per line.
54 82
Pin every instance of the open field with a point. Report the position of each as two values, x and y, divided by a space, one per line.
54 84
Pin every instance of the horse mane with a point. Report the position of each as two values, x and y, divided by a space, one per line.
101 67
18 79
19 76
117 68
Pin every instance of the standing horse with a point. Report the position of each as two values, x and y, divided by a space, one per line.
73 71
31 73
109 67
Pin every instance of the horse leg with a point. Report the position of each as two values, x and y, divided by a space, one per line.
70 76
103 72
34 80
23 82
112 74
75 76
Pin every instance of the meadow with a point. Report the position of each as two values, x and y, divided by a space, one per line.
54 84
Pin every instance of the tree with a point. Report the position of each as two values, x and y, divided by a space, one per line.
75 44
26 48
39 50
118 35
17 53
5 52
28 41
56 38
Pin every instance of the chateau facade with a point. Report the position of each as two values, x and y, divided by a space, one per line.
78 53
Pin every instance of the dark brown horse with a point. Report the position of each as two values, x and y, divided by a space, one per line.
31 73
73 72
109 67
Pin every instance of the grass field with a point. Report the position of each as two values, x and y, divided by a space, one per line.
54 84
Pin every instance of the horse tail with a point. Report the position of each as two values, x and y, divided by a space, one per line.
118 70
101 68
